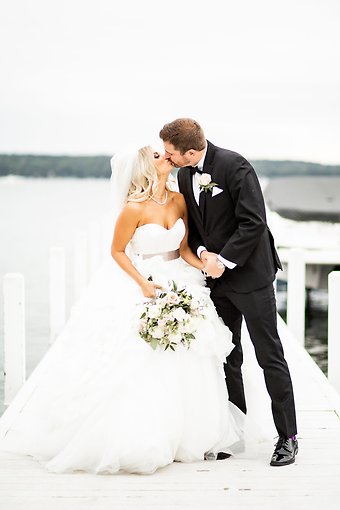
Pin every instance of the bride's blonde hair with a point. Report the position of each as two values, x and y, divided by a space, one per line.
134 176
144 178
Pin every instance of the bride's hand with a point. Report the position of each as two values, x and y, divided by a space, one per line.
149 288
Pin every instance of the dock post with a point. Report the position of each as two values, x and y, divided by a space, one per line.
57 291
334 329
80 264
296 277
14 334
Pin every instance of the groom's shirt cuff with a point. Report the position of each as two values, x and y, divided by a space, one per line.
227 263
199 251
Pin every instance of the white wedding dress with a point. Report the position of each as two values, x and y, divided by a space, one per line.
102 400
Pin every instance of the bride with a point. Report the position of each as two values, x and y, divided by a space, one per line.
102 399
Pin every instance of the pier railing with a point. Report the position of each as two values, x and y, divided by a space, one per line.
88 250
296 261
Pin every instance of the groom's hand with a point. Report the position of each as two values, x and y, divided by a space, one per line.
212 267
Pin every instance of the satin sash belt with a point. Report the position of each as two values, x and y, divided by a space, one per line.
166 255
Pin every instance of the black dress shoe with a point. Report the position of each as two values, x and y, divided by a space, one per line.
285 452
219 456
223 456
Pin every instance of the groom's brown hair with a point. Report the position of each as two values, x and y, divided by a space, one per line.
183 134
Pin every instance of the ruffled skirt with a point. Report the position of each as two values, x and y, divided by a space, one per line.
102 400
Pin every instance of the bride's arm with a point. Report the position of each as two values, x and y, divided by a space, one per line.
185 251
126 225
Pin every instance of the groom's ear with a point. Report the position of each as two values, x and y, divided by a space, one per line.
191 152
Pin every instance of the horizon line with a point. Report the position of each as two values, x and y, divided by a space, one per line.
79 155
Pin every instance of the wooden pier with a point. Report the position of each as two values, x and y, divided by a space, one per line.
313 482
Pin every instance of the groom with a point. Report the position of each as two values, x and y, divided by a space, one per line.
229 232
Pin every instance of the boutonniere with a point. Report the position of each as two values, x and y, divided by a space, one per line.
205 183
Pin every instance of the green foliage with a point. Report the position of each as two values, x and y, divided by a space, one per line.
99 166
268 168
55 166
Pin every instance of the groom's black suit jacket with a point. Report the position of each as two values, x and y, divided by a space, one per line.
233 222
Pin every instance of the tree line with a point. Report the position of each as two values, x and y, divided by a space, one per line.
99 167
54 166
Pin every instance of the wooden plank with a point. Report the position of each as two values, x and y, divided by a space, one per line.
237 483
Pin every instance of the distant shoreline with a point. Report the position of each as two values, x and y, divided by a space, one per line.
29 165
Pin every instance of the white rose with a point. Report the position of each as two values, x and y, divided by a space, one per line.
154 311
205 179
179 314
172 298
187 327
162 322
175 338
157 332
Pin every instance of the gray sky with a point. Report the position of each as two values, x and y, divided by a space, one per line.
86 76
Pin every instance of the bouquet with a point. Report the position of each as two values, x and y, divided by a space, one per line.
170 318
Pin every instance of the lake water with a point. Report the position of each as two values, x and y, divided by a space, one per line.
36 214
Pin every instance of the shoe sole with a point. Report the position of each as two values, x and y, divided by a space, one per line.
287 463
277 464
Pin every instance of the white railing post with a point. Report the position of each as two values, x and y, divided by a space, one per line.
334 329
296 276
57 291
80 264
14 334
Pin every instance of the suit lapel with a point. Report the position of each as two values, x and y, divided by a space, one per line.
198 214
194 209
188 192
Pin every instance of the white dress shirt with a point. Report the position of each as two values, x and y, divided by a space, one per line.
197 191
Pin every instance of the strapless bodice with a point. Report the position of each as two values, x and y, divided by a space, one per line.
152 238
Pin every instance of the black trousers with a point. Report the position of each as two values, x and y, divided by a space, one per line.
259 311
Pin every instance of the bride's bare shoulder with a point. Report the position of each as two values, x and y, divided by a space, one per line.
132 212
179 199
133 206
177 196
